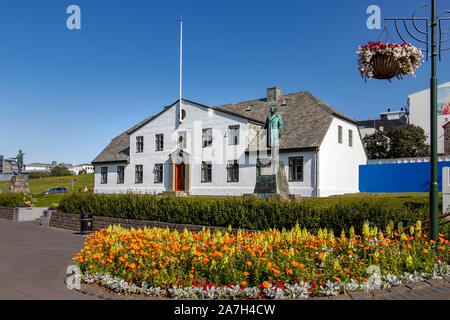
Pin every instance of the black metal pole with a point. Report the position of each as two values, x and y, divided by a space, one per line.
434 209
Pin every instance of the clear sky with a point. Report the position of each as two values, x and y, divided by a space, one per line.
64 94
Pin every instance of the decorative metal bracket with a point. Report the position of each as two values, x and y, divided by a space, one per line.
423 36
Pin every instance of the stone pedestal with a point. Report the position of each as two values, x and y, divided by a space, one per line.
271 181
19 184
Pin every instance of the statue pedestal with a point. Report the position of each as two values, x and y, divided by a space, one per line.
272 180
19 184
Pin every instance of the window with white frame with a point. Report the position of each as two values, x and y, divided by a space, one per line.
120 174
233 171
339 134
206 137
295 168
159 173
104 175
139 174
233 135
139 144
206 171
159 142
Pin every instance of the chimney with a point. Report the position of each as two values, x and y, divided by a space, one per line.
273 94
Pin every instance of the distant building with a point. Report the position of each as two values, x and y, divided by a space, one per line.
388 120
7 168
419 104
89 168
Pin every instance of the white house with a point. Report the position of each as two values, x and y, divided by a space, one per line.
205 150
419 104
89 168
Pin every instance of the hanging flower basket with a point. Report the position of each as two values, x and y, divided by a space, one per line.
385 61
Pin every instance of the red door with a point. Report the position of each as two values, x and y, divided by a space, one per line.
179 177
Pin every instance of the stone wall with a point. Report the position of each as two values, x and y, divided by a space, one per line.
71 221
6 213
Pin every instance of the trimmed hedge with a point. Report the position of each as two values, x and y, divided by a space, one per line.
12 199
331 213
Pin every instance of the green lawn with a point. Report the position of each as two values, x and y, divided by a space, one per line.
37 186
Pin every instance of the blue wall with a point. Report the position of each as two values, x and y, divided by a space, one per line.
399 177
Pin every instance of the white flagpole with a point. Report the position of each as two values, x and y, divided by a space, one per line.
181 69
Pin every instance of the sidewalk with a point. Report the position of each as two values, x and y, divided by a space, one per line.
34 259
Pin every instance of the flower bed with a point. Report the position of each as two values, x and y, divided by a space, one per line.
271 264
387 60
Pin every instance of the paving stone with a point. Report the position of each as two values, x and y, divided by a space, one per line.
341 297
437 282
321 298
418 285
447 278
361 295
378 294
398 290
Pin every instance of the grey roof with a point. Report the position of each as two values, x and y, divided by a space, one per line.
306 118
306 121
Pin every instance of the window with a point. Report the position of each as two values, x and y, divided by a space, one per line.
159 142
139 174
296 169
206 171
139 144
350 138
159 173
181 142
120 174
233 135
339 134
233 171
104 175
206 137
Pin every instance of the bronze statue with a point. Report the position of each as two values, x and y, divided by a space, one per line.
19 159
274 127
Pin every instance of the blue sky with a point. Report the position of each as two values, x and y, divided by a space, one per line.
64 94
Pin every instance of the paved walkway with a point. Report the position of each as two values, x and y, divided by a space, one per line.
33 261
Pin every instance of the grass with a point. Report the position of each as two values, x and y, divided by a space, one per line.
37 186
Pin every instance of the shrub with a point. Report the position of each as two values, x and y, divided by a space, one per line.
12 199
255 214
39 174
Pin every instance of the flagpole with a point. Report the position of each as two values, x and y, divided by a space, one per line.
181 69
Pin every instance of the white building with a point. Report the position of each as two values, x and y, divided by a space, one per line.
419 104
214 150
89 168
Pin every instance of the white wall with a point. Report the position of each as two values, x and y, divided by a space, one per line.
338 162
419 115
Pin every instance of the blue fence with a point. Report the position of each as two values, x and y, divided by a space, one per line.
398 177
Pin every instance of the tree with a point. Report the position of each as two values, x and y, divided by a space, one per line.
60 171
377 145
407 141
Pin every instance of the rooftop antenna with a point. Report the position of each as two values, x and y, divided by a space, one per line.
180 115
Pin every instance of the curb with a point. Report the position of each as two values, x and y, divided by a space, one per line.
393 293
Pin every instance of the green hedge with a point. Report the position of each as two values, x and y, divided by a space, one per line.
332 213
12 199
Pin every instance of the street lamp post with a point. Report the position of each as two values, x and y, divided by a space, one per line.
433 53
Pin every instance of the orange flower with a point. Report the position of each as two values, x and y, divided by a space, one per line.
266 284
337 279
243 283
249 263
191 276
246 273
425 251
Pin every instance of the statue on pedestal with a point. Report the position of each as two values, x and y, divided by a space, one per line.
19 159
271 178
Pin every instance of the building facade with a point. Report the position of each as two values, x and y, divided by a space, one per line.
203 150
419 103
